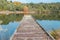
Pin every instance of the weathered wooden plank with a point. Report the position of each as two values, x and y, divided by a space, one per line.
30 30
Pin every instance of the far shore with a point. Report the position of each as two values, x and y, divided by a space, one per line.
12 12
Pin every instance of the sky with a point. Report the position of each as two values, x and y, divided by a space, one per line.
37 1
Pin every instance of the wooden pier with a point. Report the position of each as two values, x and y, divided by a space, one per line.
30 30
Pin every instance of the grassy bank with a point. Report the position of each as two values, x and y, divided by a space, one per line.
56 34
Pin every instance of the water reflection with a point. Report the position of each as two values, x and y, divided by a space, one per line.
1 29
5 19
6 31
10 22
49 25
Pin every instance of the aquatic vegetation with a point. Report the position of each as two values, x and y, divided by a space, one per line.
56 34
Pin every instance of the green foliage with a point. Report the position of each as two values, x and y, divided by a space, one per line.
44 11
47 16
50 11
55 34
10 18
51 7
9 5
19 7
2 4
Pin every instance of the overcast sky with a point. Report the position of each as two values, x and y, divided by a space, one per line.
37 1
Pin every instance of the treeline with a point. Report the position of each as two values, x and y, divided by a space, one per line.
45 7
43 11
46 11
18 6
10 6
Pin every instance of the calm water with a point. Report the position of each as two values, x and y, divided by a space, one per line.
48 25
6 31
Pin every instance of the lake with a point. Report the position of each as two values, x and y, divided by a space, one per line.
6 30
49 25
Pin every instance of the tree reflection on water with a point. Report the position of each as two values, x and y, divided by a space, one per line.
10 18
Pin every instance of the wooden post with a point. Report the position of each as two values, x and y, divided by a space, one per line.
25 10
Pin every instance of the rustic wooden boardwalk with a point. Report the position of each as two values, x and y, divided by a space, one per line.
30 30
